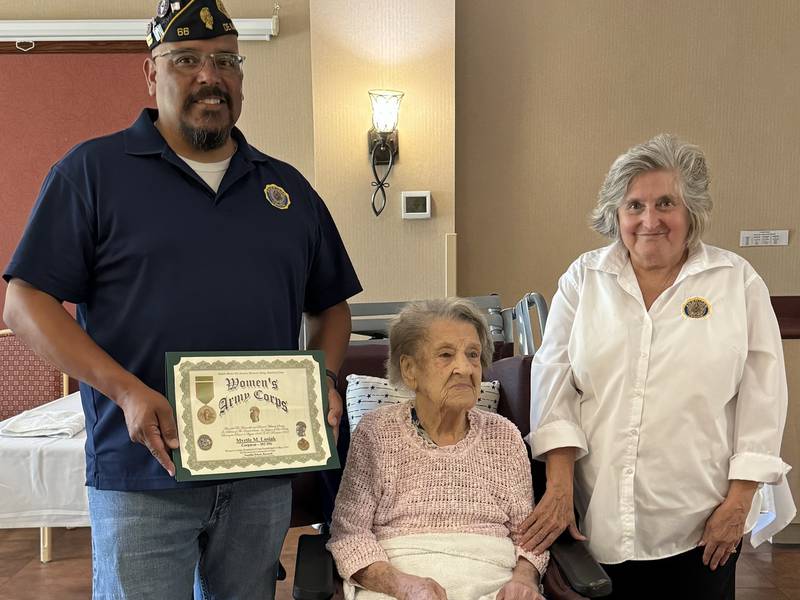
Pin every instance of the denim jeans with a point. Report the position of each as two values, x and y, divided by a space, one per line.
220 542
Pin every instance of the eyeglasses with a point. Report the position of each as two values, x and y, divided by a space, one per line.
191 62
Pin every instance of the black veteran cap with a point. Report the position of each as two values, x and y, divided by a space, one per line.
176 21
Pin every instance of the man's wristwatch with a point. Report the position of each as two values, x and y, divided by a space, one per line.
334 377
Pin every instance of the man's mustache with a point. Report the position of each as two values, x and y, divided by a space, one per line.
212 91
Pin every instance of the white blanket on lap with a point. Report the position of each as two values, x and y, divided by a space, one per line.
467 565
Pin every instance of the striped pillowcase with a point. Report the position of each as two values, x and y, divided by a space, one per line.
366 393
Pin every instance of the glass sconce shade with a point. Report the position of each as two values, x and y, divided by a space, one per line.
385 109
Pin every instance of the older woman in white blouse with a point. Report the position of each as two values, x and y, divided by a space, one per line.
661 382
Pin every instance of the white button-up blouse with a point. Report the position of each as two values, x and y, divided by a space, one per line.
666 405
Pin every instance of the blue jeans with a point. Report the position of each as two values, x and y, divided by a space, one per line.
220 542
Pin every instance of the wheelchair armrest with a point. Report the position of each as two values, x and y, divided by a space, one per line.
313 575
579 567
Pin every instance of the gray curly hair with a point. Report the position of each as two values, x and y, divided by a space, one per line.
664 152
409 329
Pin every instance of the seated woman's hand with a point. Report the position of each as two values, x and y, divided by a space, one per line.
553 514
411 587
519 590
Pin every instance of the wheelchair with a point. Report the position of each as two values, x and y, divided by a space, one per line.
573 573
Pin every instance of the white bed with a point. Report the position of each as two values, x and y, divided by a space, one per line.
42 479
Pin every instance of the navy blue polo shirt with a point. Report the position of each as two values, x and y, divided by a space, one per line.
157 261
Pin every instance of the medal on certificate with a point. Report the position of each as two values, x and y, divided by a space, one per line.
247 414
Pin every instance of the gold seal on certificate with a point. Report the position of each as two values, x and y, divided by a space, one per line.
206 415
246 414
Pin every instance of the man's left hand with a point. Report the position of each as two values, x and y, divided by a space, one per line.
517 590
334 411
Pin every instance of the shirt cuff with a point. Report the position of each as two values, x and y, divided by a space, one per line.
352 559
753 466
559 434
539 561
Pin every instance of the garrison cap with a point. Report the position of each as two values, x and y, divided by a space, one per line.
177 21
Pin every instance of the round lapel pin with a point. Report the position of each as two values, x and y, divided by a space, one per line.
696 308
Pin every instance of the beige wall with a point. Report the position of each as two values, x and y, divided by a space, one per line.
398 44
277 115
548 93
545 95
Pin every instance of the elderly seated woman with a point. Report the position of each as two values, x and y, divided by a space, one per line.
435 489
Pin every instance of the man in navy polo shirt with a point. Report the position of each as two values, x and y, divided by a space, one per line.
176 234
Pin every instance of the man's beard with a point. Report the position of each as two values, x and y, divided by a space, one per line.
203 138
207 138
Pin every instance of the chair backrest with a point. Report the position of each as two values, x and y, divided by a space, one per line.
514 375
26 380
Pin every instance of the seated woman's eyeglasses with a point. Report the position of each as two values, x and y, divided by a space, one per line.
191 62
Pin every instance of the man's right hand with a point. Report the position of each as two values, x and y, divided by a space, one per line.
151 422
411 587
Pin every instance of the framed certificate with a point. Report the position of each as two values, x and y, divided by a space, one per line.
248 414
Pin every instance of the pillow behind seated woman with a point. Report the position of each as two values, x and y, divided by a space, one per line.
434 489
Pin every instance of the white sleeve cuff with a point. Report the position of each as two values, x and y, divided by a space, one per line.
753 466
558 434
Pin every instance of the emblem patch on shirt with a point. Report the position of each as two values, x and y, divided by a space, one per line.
696 308
277 196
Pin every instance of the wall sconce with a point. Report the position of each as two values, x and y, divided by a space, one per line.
382 139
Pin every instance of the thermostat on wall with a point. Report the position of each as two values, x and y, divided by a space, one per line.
416 205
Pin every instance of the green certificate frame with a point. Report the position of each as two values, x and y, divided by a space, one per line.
249 414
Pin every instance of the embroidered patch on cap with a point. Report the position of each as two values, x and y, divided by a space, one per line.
206 18
277 196
696 308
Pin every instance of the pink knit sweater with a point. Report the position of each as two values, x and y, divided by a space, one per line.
396 483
